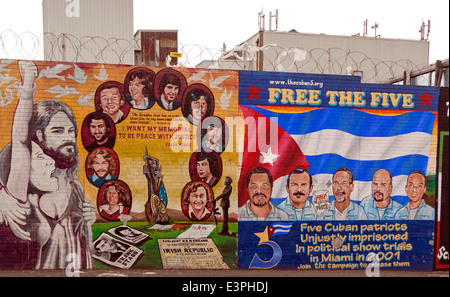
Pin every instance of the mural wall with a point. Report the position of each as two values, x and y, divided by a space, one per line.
119 157
113 166
352 175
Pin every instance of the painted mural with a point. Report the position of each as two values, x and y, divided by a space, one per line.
340 175
114 166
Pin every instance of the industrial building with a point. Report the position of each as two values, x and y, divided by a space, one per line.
99 31
326 54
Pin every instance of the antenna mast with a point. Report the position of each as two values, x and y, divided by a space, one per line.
422 30
375 27
365 28
276 20
261 21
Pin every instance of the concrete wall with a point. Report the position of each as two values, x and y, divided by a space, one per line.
104 28
375 59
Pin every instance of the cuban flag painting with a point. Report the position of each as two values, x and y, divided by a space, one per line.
267 145
362 142
280 229
394 133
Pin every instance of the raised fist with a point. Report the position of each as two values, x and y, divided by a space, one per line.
28 72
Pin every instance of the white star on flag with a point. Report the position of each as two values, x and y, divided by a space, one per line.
269 157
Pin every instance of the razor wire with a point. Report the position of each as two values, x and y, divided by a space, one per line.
95 49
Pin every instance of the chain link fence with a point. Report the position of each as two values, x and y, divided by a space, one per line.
94 49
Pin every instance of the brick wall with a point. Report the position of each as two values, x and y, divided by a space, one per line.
279 121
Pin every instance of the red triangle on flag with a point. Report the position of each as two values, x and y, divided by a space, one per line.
270 231
268 145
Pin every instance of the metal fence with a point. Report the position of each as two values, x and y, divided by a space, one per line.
94 49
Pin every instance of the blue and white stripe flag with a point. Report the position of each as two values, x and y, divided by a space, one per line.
282 228
361 141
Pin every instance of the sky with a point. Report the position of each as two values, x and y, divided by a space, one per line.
211 23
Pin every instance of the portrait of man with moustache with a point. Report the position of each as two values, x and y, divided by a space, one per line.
259 207
101 166
299 185
98 130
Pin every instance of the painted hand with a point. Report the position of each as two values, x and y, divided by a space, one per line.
89 213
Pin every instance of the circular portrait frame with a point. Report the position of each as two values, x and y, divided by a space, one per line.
125 199
194 93
214 162
142 74
88 140
124 108
111 157
206 130
169 76
201 211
